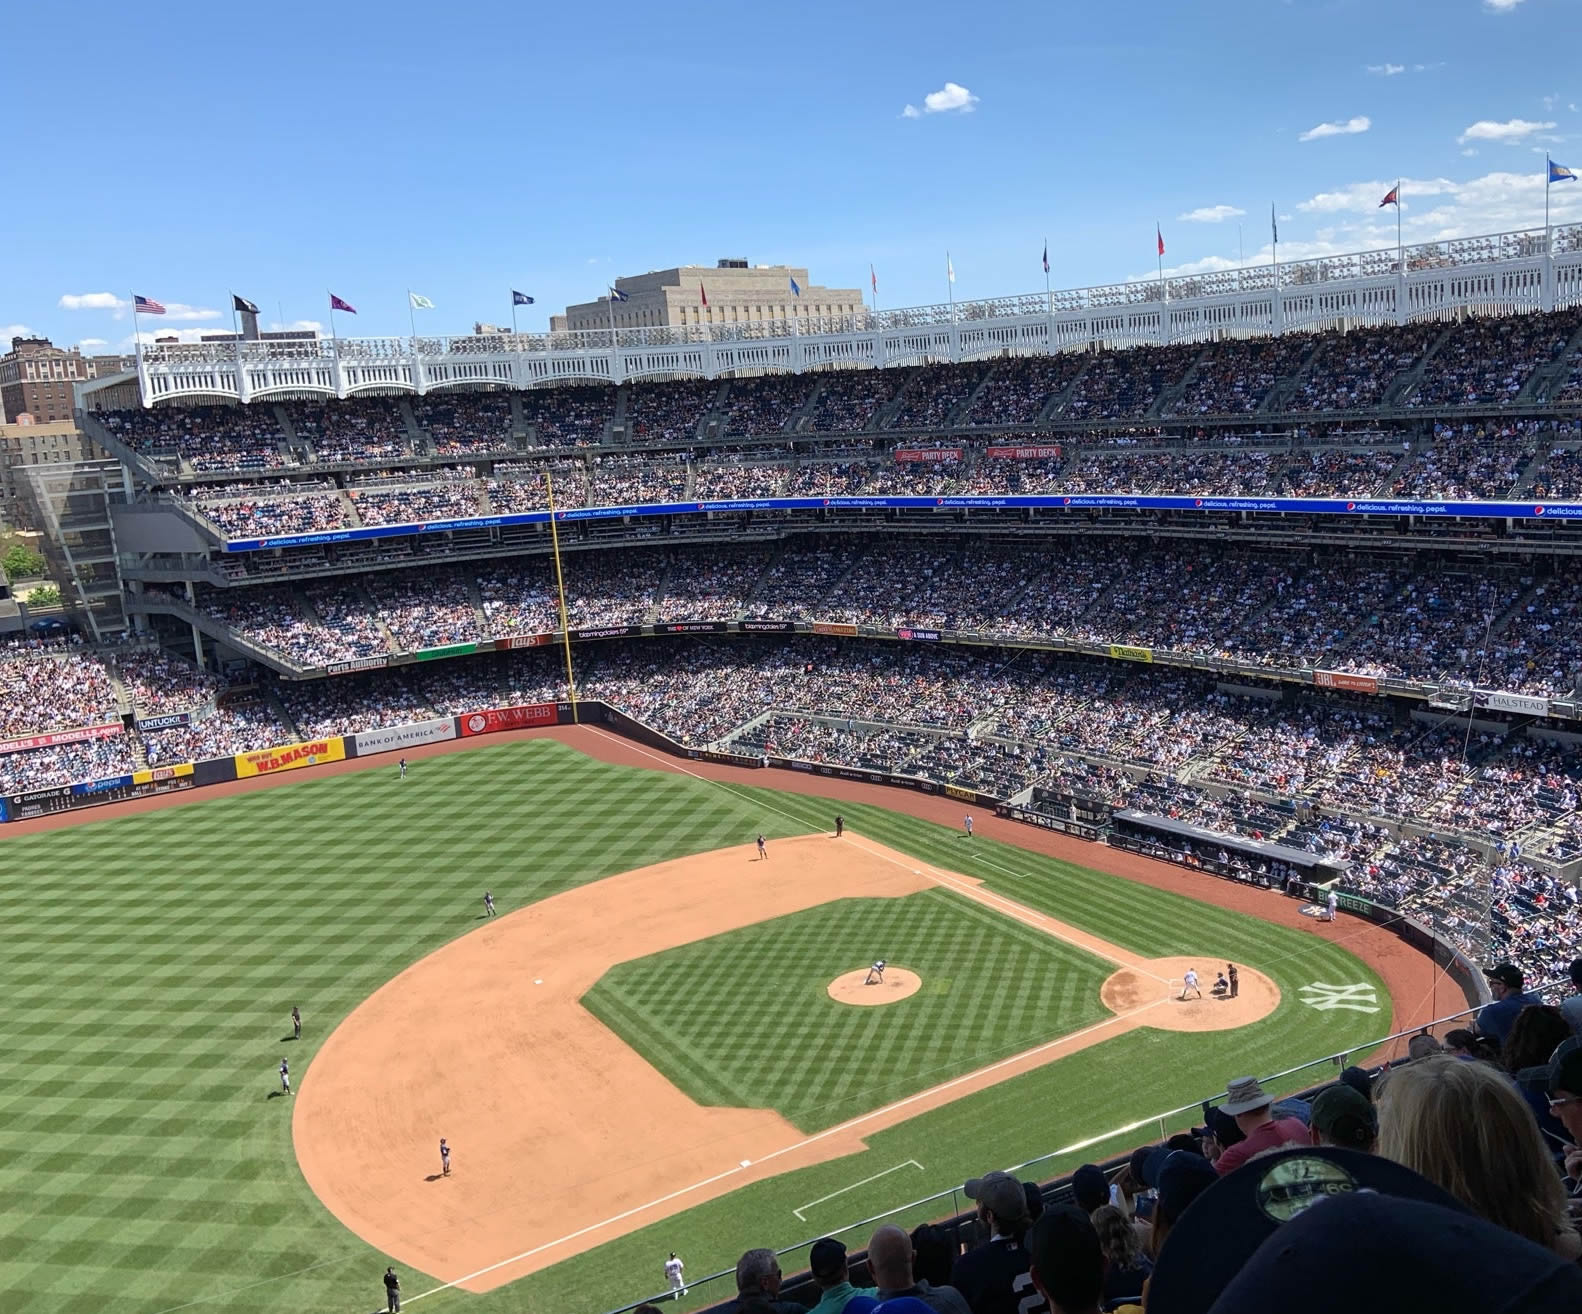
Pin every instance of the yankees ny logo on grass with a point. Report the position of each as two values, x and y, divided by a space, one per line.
1325 997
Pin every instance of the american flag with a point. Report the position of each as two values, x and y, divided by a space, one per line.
146 306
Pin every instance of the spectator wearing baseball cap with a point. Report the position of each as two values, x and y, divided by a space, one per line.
1090 1188
1505 983
1066 1261
1565 1103
1182 1178
1388 1250
890 1263
1342 1117
1249 1104
1465 1128
827 1262
993 1276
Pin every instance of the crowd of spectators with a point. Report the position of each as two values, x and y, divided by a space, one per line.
452 500
159 682
466 423
53 689
1468 462
1485 361
357 430
568 417
765 404
208 438
264 516
849 401
425 609
233 727
65 764
1125 384
635 480
1236 377
1353 371
935 393
1018 389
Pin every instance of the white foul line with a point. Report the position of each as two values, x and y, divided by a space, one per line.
824 1199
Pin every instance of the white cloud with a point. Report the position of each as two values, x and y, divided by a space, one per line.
952 96
93 301
175 312
9 331
1387 70
1500 6
1510 130
93 342
297 326
1469 152
1341 128
147 336
1210 214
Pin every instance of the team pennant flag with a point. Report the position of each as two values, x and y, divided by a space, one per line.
617 295
874 279
1559 173
243 305
1274 226
704 294
146 306
520 298
1159 234
950 269
795 290
1046 257
337 304
420 303
1392 197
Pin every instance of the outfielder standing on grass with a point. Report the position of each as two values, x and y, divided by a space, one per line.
285 1076
403 768
488 904
967 822
296 1022
392 1292
673 1267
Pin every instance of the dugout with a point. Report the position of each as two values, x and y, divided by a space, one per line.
1261 862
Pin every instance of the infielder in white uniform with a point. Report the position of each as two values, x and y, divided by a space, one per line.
673 1267
1330 904
967 822
1189 983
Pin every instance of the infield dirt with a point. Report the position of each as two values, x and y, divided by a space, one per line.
564 1137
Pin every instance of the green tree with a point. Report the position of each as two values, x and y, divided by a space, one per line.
21 562
45 595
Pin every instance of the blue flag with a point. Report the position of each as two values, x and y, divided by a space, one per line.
795 290
617 295
520 298
1559 173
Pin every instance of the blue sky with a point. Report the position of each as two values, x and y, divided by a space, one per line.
464 150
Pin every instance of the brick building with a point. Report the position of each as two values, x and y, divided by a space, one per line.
736 292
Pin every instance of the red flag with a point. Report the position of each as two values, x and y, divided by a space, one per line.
704 295
1159 233
337 304
874 279
1392 197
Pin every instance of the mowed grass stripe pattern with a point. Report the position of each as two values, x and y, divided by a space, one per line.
745 1019
152 965
153 962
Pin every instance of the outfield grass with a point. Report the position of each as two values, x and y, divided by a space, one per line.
153 962
991 988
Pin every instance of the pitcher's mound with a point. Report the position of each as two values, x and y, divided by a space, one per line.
1158 982
898 983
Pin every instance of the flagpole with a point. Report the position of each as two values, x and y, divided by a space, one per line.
1158 247
513 314
950 285
236 324
1548 171
1400 251
137 341
609 298
411 315
334 339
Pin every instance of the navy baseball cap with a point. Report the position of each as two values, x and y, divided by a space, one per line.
1398 1251
1213 1239
1090 1186
826 1257
1184 1177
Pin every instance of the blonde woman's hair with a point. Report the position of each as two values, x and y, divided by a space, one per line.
1465 1128
1117 1236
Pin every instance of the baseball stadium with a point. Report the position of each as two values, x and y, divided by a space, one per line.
737 784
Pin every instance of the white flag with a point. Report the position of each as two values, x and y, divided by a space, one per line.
950 269
420 303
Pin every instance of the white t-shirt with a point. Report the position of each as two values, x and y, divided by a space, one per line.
673 1268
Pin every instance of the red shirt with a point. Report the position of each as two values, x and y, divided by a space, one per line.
1272 1135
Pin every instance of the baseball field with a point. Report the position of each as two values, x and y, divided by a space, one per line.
643 1052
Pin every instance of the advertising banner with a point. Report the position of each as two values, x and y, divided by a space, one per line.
102 786
5 809
359 664
154 775
692 627
288 757
956 791
446 650
608 632
1489 700
77 736
928 453
1342 680
1126 653
523 641
1308 506
436 731
767 627
919 636
1023 453
509 718
834 627
723 759
166 721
